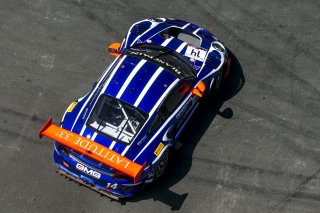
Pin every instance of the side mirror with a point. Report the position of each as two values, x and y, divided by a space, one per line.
199 89
114 49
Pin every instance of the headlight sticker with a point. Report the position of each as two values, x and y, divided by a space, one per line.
159 149
72 106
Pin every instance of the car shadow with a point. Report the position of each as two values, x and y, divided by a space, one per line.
206 112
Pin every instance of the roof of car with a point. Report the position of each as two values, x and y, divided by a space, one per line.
139 82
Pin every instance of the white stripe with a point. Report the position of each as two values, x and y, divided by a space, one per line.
185 26
94 136
196 31
130 77
153 110
125 44
147 87
180 48
84 105
122 43
102 91
82 130
163 125
112 145
167 41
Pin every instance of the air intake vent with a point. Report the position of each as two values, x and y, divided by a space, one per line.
140 28
213 60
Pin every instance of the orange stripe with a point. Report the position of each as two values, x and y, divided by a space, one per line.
92 149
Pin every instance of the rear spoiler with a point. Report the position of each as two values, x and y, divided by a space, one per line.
92 149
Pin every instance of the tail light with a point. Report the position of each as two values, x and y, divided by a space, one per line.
121 176
65 150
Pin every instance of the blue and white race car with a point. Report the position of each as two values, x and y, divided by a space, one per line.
116 139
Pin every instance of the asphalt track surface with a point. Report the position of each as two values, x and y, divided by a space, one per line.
253 148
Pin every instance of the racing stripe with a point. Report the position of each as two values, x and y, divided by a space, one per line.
156 90
121 75
185 26
196 31
180 48
167 41
132 74
148 85
139 81
112 145
94 136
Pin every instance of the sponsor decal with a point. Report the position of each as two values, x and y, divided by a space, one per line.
88 171
92 148
112 186
159 149
195 53
155 59
72 106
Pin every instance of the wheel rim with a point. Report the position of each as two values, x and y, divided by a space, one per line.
218 81
162 164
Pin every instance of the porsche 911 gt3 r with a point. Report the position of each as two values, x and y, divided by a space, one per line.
116 139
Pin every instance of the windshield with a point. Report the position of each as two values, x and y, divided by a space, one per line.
165 58
116 119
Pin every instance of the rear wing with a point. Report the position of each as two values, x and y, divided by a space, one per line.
92 149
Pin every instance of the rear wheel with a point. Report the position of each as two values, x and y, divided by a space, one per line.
162 164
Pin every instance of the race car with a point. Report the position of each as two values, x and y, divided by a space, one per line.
117 138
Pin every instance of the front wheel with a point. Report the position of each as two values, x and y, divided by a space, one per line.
216 84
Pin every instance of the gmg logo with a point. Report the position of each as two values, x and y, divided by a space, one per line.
88 171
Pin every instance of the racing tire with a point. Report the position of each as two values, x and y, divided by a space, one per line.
216 85
161 166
